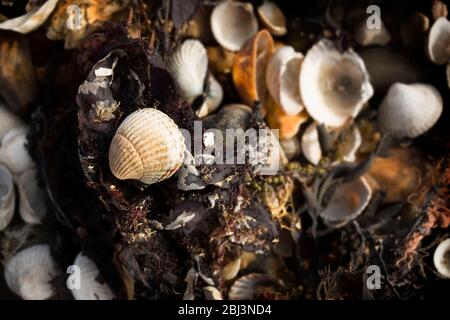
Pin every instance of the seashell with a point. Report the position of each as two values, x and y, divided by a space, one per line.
441 258
148 146
439 9
292 148
413 30
282 79
213 98
13 152
7 198
188 65
347 203
311 145
334 86
387 66
231 270
253 285
249 68
368 37
272 18
29 272
438 47
350 144
220 59
212 293
90 286
233 23
31 20
409 110
32 204
8 120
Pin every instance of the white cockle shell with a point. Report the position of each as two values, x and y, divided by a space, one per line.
438 47
13 152
311 149
213 99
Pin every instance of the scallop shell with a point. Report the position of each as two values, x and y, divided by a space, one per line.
441 258
347 203
409 110
272 18
8 121
311 145
249 68
32 204
283 77
31 20
29 272
7 198
368 37
148 146
334 86
188 65
249 286
233 23
213 99
90 287
438 47
13 152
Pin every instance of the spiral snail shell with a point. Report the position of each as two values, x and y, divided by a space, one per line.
148 146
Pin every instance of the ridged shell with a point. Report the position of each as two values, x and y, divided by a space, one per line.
283 77
368 37
233 23
32 202
213 98
90 287
247 287
441 258
409 110
310 144
273 18
13 152
188 65
334 86
347 203
8 121
7 197
438 47
29 272
148 146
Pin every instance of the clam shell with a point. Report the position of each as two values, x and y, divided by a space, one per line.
7 198
282 79
29 272
438 47
272 18
334 86
8 121
247 287
31 20
441 258
188 65
148 146
233 23
32 204
409 110
90 287
213 99
13 152
249 68
347 203
311 145
368 37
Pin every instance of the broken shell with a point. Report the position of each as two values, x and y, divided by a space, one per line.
438 47
213 98
441 258
188 65
347 203
148 146
29 272
348 147
292 148
282 79
287 125
249 68
310 144
272 18
414 29
7 198
233 23
31 20
8 120
32 204
368 37
90 287
13 152
252 286
409 110
231 270
334 86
